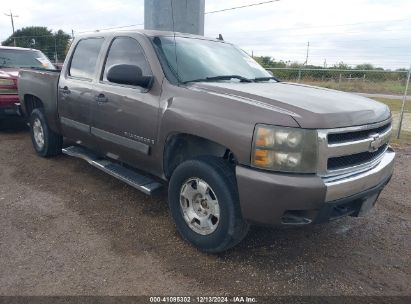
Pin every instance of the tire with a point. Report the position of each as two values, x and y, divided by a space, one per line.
50 143
230 228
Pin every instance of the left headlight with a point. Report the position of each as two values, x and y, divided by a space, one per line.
285 149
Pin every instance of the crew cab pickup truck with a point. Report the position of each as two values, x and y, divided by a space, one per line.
233 145
11 60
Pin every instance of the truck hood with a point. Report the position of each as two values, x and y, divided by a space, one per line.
9 73
311 107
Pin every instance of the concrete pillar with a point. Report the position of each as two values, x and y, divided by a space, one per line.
188 15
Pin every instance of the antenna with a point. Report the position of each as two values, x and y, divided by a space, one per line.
308 49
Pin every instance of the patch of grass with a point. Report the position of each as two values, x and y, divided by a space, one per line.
395 104
381 87
395 107
405 138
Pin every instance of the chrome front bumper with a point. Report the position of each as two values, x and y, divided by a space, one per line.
347 186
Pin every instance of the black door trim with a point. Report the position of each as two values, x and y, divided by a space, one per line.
120 140
75 125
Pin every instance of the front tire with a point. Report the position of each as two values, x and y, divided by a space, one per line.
204 203
45 141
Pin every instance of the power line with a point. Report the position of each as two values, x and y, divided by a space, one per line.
244 6
302 28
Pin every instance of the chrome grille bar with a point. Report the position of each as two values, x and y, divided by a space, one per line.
372 143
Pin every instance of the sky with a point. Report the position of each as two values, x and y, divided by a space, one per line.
349 31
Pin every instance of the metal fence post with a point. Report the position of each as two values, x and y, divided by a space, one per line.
403 103
299 75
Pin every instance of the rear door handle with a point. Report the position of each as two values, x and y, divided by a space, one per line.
101 98
65 90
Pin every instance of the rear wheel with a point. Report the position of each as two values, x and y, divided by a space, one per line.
204 203
45 141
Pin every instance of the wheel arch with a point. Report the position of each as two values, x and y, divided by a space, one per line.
30 103
183 146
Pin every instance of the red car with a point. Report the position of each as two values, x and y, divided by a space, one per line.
11 60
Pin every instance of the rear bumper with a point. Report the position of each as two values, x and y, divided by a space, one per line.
9 105
271 198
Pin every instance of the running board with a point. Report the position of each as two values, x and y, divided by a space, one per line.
140 182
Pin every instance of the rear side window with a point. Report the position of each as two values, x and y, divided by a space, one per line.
84 61
125 50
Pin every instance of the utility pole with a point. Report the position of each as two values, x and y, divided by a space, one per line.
12 23
304 64
185 16
308 49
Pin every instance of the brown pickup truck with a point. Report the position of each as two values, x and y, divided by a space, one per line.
234 145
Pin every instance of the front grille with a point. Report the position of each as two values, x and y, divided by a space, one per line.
347 150
341 162
334 138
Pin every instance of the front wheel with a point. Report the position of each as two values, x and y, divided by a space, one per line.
203 200
45 141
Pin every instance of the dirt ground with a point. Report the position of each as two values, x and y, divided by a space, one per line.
68 229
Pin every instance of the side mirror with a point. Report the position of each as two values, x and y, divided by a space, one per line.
271 73
130 75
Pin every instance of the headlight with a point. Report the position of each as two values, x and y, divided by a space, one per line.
285 149
6 82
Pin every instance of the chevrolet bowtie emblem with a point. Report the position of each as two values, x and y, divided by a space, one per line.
375 143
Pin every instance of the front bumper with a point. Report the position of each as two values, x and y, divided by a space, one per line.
272 198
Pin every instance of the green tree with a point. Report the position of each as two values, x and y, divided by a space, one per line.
365 66
54 45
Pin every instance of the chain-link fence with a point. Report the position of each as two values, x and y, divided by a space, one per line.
389 87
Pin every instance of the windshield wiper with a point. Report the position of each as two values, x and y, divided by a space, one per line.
265 79
222 77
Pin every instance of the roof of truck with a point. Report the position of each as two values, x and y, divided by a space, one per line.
149 33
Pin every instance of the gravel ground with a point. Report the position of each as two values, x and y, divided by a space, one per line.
68 229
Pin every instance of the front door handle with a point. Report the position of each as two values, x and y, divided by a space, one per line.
101 98
65 90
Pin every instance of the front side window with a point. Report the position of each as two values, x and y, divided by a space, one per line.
84 61
125 50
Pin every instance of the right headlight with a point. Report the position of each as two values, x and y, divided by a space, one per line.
285 149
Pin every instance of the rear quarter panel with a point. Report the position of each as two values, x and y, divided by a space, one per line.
42 85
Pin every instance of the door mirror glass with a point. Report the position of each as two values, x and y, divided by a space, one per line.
129 75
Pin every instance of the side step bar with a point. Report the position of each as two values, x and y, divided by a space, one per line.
140 182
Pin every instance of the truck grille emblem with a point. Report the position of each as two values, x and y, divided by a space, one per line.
375 143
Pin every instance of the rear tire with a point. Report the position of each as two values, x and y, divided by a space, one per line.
45 141
211 222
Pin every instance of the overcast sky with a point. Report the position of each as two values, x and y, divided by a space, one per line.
352 31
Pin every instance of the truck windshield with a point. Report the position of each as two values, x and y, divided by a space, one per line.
13 58
191 59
